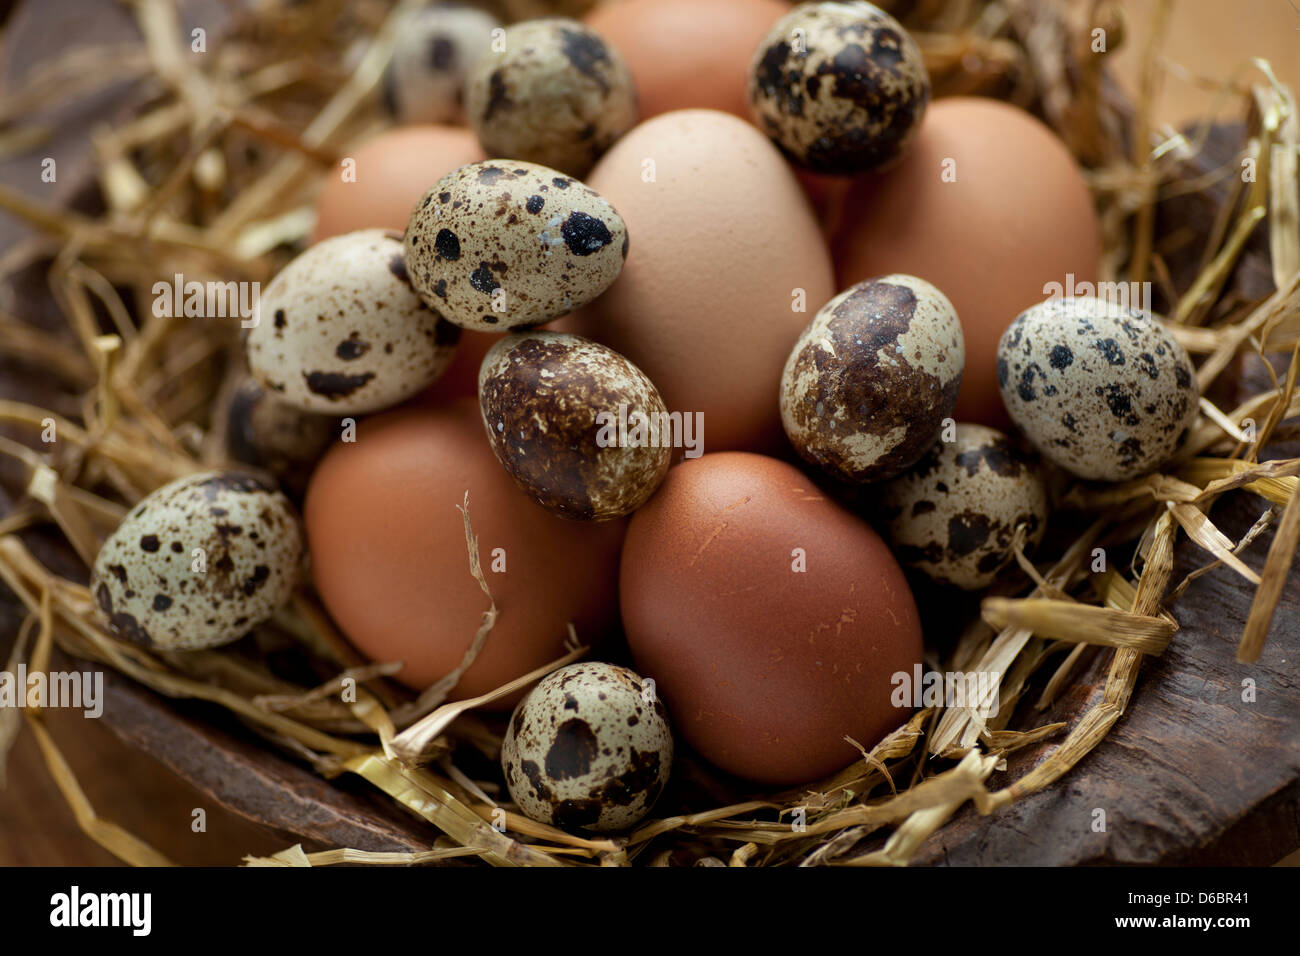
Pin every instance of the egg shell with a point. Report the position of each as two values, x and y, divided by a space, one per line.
388 174
728 261
516 236
766 667
389 558
1100 388
551 402
840 87
555 93
436 49
274 435
954 514
990 207
687 54
589 747
199 562
869 383
340 329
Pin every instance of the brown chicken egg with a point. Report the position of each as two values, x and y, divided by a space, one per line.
990 207
687 54
771 619
726 267
379 181
389 558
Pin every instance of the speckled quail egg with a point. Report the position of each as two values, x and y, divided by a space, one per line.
199 562
504 244
840 87
589 747
954 514
1100 388
341 330
872 378
555 93
275 436
578 426
436 49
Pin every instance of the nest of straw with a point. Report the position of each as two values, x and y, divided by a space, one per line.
212 178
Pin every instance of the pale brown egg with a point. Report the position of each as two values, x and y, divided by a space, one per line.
388 174
687 54
990 207
388 553
726 267
772 620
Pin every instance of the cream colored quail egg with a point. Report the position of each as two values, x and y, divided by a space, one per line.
199 562
954 514
1100 389
340 330
589 747
505 244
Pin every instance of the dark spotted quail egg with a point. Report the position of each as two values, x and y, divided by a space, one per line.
199 562
589 747
504 244
274 435
954 514
555 93
1099 388
436 49
340 329
872 378
578 426
840 87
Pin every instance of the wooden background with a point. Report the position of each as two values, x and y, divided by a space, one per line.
1209 38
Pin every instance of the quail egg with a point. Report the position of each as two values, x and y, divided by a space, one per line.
1101 389
340 329
589 747
872 378
199 562
840 87
578 426
555 94
505 244
436 49
274 435
954 514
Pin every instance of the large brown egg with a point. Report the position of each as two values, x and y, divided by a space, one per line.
990 207
388 552
687 54
726 266
379 181
770 618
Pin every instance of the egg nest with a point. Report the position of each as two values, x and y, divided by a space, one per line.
212 176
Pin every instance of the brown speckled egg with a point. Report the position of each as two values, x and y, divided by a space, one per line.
953 515
505 244
840 87
341 330
589 747
577 425
556 94
869 383
1099 388
436 49
276 436
199 562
